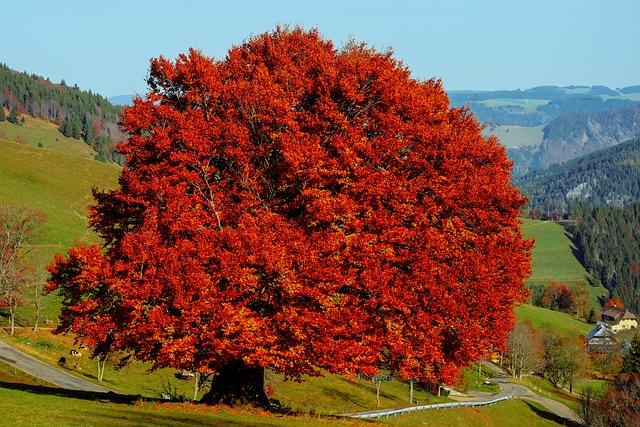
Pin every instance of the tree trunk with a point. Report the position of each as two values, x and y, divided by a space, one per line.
196 387
102 363
378 381
12 315
238 383
411 391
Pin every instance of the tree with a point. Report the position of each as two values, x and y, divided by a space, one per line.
17 227
589 412
13 115
3 116
557 297
581 300
613 303
620 404
631 360
300 207
525 350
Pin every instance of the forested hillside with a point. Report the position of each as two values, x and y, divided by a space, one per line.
540 105
606 177
572 135
607 239
79 114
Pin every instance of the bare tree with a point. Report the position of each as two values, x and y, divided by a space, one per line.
37 281
525 350
17 227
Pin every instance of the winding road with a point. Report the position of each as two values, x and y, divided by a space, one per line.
507 390
34 367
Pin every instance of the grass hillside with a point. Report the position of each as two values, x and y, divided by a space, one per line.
44 134
57 184
553 258
18 403
516 136
561 323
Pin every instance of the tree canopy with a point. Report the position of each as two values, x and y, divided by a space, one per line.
298 207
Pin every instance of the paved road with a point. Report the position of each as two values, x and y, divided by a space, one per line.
44 371
507 390
520 391
554 406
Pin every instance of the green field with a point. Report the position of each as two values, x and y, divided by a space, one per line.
516 136
36 133
328 394
553 258
528 104
560 323
59 186
25 401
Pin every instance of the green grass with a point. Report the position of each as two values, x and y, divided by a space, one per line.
553 258
24 401
132 379
599 385
544 388
334 394
516 136
329 394
476 383
59 186
37 132
516 413
561 323
40 406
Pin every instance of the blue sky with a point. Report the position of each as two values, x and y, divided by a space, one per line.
106 45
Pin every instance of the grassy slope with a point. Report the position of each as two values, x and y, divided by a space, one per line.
553 258
36 131
58 185
516 136
560 323
515 413
26 401
329 394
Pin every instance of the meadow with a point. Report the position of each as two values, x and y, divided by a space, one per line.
516 136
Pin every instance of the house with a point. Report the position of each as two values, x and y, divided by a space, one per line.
619 319
601 339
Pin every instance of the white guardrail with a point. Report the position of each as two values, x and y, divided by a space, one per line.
387 413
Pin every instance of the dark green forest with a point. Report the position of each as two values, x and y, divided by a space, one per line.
607 240
80 114
606 177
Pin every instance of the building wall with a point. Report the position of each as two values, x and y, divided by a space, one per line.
624 324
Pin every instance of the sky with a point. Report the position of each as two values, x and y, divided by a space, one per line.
106 46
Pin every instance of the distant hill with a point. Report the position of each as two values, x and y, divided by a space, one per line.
542 104
607 177
124 100
575 134
79 114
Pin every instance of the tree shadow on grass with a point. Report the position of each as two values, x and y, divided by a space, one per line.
551 416
275 407
76 394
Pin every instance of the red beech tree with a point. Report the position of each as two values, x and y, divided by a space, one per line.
613 303
299 207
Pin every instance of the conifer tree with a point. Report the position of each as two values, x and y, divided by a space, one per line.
13 115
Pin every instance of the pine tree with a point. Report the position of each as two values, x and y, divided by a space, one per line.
13 115
631 361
